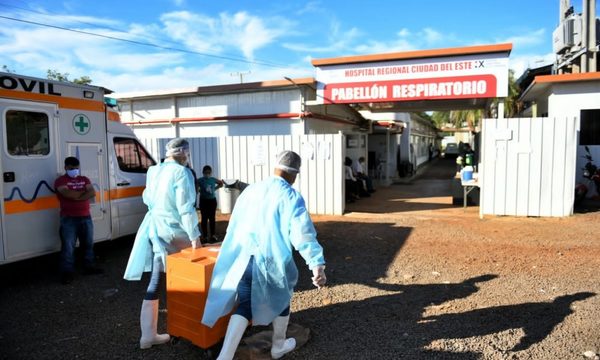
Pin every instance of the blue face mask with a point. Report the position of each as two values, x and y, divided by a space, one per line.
73 173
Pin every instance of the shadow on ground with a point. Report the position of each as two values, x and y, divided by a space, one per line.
98 316
356 257
393 326
588 205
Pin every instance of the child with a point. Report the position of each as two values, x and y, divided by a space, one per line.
207 186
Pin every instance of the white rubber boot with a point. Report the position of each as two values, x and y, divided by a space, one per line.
235 331
148 323
281 345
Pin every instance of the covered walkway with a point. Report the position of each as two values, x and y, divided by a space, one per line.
428 193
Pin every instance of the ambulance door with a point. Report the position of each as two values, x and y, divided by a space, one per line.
128 180
92 165
28 153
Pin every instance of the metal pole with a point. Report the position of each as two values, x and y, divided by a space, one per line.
564 6
592 46
585 36
501 109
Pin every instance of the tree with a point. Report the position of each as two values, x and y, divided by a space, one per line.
84 80
440 118
64 77
512 105
460 118
6 69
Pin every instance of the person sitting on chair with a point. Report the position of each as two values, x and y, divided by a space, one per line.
359 172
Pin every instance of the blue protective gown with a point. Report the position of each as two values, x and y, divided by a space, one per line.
171 221
269 219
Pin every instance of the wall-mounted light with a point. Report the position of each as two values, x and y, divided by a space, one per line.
88 94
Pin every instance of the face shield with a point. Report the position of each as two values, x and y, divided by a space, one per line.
180 149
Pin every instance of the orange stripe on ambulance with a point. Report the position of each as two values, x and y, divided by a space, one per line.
43 122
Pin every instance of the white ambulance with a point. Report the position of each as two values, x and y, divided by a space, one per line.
43 122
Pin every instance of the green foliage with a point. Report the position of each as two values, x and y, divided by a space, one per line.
6 69
84 80
460 118
440 118
64 77
512 105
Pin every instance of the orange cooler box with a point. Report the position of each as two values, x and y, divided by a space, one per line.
188 280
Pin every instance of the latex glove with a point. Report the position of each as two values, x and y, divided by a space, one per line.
319 279
196 243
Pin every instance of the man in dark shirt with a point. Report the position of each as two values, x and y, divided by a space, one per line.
74 193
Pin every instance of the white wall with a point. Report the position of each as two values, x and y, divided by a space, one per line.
247 103
221 128
542 106
154 131
242 128
360 149
528 166
422 134
252 158
567 100
317 126
141 110
206 106
392 163
378 144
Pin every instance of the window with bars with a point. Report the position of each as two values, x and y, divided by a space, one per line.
131 156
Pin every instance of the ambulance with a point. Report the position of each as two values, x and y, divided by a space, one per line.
43 122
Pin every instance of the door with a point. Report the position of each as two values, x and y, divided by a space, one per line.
92 165
28 153
129 165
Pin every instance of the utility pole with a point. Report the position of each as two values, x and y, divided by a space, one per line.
588 58
575 41
564 6
241 75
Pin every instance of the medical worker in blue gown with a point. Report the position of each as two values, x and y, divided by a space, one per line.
171 223
255 265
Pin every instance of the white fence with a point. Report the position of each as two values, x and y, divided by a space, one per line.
528 166
251 159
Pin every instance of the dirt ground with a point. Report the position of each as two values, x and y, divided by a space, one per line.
409 276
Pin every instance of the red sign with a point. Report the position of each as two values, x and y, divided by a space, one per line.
456 87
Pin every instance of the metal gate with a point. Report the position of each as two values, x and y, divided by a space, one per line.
528 166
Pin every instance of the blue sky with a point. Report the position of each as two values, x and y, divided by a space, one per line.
263 40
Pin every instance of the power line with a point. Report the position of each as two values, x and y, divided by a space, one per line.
141 43
119 30
79 21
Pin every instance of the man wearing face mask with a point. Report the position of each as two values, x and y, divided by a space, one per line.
169 226
74 193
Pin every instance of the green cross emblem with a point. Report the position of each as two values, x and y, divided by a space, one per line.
81 124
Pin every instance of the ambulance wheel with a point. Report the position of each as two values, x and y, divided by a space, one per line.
174 340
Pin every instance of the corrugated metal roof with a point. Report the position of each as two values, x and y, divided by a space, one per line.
214 89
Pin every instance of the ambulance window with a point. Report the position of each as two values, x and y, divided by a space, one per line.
131 156
27 133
